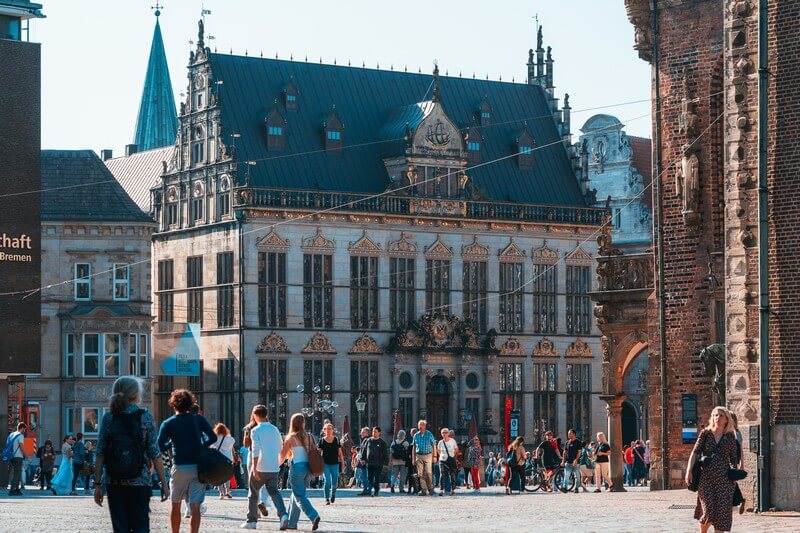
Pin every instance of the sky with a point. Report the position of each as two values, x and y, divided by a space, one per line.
94 52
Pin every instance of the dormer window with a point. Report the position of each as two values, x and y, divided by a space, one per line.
485 112
333 129
276 131
474 144
525 148
290 96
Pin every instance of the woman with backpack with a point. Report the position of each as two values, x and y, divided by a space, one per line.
127 447
515 459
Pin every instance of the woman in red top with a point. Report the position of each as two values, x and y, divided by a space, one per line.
628 452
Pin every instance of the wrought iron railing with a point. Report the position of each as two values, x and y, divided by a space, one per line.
412 205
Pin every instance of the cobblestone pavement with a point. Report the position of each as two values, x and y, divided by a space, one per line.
636 510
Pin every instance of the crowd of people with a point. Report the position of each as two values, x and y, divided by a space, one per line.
132 451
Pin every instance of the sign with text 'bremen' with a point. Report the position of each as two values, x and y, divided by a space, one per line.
176 349
20 208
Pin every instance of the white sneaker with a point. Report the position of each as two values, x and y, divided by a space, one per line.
248 525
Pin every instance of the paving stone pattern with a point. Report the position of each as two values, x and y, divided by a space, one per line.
636 510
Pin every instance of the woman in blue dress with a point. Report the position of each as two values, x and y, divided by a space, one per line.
62 482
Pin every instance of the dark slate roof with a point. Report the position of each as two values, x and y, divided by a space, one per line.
157 123
140 172
78 186
642 161
372 104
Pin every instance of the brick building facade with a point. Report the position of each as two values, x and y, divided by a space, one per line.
705 57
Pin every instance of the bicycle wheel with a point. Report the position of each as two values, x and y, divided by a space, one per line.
558 480
532 481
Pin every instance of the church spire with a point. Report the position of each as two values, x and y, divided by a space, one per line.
157 123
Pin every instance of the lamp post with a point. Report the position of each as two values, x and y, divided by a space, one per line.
361 404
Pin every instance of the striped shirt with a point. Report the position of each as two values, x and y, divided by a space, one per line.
424 442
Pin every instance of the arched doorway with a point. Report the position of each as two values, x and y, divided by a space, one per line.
438 402
630 423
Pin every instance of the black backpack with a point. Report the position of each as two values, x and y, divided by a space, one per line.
124 458
511 457
398 451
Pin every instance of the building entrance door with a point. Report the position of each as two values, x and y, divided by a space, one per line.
630 423
438 402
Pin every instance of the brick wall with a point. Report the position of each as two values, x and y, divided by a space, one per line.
690 48
784 210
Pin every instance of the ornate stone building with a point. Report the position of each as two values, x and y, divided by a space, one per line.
724 89
95 326
423 241
619 168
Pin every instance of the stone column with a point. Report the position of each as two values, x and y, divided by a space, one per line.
614 408
422 385
396 390
489 387
454 403
462 389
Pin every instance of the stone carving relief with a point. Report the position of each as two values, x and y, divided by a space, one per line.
364 246
622 272
512 347
440 331
366 345
272 243
687 185
402 247
438 250
318 243
272 343
579 348
544 255
579 257
713 357
319 343
688 119
512 253
475 250
545 348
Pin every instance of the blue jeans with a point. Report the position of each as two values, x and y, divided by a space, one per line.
331 474
628 474
298 477
361 477
572 470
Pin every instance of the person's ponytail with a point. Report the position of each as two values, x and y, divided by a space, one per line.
125 391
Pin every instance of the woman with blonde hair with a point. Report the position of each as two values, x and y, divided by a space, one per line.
225 444
516 463
717 452
297 445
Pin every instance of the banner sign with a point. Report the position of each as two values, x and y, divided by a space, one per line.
513 424
20 204
176 349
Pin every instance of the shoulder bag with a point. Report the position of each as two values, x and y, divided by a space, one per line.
315 463
735 474
450 461
213 468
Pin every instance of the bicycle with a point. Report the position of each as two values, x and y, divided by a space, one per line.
534 478
558 480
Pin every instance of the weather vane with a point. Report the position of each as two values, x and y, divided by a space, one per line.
158 7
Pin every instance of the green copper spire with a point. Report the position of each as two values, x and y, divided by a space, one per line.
157 124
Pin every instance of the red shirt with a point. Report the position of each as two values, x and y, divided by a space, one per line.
629 456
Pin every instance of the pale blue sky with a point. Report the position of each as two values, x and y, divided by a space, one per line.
94 52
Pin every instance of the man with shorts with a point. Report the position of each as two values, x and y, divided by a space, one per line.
185 434
550 456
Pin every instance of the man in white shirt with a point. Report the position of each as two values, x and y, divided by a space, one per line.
16 440
266 446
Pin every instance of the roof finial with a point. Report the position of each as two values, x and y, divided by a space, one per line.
549 53
201 30
158 7
436 89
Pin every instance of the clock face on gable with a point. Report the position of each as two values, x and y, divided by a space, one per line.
199 81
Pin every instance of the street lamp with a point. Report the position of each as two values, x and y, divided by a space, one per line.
361 404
